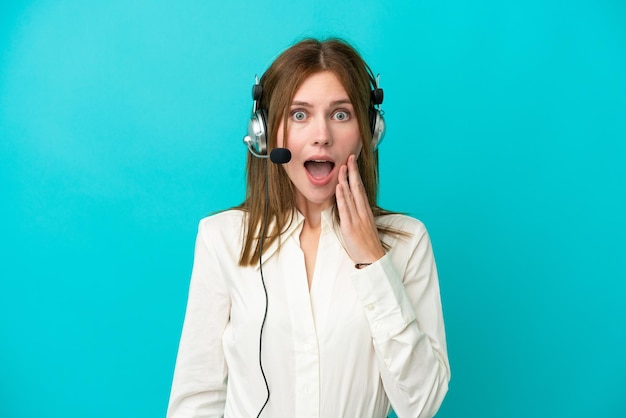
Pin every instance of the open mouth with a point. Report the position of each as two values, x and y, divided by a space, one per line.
319 169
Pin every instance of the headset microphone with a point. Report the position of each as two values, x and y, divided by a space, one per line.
277 155
280 156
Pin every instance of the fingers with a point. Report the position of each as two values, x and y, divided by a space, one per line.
352 200
358 226
352 189
345 201
356 187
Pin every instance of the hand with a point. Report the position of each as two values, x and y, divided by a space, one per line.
358 228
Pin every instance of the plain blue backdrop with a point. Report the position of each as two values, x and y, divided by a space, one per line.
121 126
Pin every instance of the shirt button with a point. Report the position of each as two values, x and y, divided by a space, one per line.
371 307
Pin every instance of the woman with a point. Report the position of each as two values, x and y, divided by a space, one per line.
335 311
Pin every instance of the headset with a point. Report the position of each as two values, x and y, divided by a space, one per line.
256 140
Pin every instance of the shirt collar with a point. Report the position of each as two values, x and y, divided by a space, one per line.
295 227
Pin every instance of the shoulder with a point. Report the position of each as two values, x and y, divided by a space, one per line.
400 222
407 240
226 226
223 219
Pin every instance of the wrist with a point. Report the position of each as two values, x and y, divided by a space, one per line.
367 261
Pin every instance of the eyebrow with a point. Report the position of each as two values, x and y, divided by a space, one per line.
333 103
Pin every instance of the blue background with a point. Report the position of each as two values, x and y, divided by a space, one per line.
121 126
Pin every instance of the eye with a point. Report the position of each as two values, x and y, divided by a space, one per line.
298 115
341 115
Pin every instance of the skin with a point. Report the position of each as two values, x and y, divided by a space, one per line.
322 125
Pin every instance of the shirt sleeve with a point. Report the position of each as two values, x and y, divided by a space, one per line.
199 384
401 300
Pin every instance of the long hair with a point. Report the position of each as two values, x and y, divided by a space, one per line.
279 85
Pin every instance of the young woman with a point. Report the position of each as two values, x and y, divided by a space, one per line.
309 300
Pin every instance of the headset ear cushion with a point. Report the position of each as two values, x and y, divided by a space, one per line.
257 92
377 125
257 131
261 116
377 96
263 119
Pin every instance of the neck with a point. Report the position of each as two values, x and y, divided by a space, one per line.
312 212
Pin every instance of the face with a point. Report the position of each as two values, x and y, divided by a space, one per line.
322 131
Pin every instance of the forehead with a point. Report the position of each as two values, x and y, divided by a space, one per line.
320 85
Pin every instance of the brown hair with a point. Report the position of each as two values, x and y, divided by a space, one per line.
280 83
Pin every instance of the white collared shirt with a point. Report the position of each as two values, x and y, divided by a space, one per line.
355 342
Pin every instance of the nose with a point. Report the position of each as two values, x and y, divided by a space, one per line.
322 134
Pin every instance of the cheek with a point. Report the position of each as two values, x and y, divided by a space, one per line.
357 145
357 141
